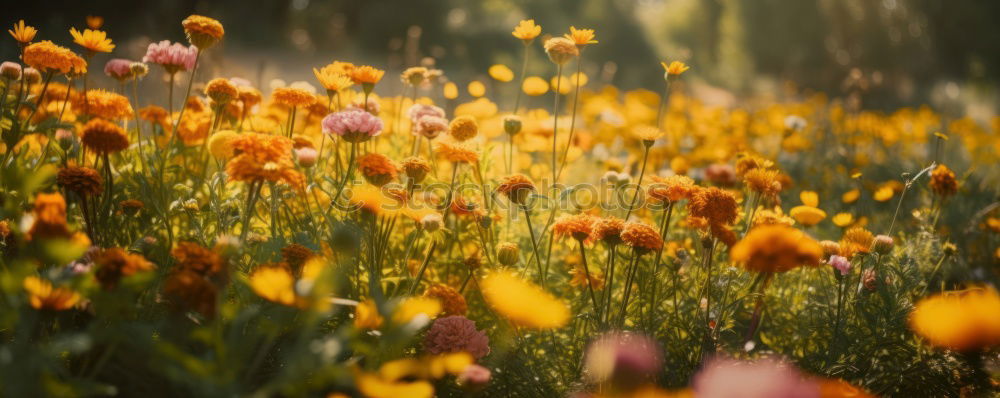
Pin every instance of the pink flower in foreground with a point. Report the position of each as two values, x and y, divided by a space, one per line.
456 333
474 377
355 125
624 359
119 69
841 263
173 57
725 378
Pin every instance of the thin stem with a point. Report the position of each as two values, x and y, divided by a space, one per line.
534 244
555 122
638 185
590 286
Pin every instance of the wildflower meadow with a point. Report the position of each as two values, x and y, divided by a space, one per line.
168 228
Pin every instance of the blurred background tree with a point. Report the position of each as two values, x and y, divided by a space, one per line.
905 51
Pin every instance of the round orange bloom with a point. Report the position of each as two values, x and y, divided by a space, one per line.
221 90
452 302
115 263
194 129
561 50
463 128
290 96
416 168
48 57
608 230
154 114
377 169
516 187
762 181
579 226
249 96
202 31
856 240
83 181
776 248
366 75
189 291
104 104
670 189
456 152
943 181
716 206
963 321
192 257
104 137
264 157
42 296
641 237
50 217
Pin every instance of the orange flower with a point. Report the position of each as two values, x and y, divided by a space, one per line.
83 181
24 34
578 226
581 37
776 248
527 31
92 40
104 137
516 187
608 230
50 217
716 206
670 189
50 58
333 78
377 169
452 302
104 104
943 181
43 296
641 237
192 257
264 157
202 31
856 240
290 96
961 320
221 90
674 69
456 152
366 75
463 128
763 181
115 263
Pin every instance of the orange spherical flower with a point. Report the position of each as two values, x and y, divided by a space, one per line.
43 296
581 37
749 162
965 321
83 181
248 96
50 217
194 128
415 168
366 75
188 291
776 248
296 255
377 169
221 90
641 236
104 137
264 157
716 206
115 263
856 240
527 31
463 128
47 57
104 104
154 114
516 188
561 50
670 189
608 230
92 40
291 96
452 302
202 31
763 181
578 226
943 181
456 152
195 258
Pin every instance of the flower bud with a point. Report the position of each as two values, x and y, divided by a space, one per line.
65 138
32 76
882 244
432 222
139 70
830 248
508 253
306 156
840 263
10 71
512 124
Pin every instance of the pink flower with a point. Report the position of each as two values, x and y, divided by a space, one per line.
841 263
373 105
474 377
456 333
10 70
173 57
354 125
118 68
418 111
431 126
306 156
725 378
625 359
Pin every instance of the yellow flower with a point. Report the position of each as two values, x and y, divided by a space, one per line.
366 315
809 198
527 31
579 79
24 34
775 248
535 86
220 145
43 296
501 73
202 31
523 303
274 284
93 40
851 196
962 321
477 88
373 385
883 193
95 21
562 84
412 307
843 219
366 75
450 90
581 37
331 79
674 68
807 215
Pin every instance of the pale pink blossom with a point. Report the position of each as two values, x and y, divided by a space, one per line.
174 57
306 156
841 263
726 378
119 69
474 377
354 125
418 111
624 359
431 126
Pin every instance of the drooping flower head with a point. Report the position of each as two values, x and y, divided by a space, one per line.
203 32
354 125
561 50
776 248
93 40
174 57
516 188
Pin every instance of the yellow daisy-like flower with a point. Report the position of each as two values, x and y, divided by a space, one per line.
43 296
523 303
883 193
203 31
581 37
843 219
367 75
501 73
24 34
674 68
412 307
807 215
776 248
331 79
527 31
961 321
93 40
